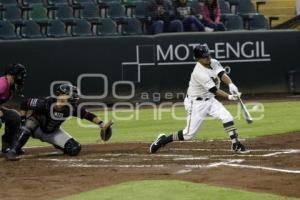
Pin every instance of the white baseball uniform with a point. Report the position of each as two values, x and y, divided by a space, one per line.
200 102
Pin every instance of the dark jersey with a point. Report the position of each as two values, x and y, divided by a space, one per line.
49 117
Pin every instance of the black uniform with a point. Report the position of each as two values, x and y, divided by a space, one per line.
45 121
50 118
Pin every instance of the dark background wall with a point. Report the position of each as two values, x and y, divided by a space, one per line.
259 62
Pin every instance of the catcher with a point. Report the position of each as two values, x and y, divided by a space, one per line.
47 116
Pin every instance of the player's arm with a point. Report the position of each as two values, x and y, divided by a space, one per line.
84 114
227 80
219 69
223 94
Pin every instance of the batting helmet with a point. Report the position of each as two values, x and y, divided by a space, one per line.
70 90
18 71
201 51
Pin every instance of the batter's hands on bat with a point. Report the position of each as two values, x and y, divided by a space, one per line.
233 89
234 97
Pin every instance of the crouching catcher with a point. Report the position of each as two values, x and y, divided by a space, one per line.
47 116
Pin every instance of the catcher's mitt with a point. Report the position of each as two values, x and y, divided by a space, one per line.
106 130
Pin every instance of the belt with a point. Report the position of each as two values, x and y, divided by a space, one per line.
200 98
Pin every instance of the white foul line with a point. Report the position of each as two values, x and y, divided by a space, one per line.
283 152
264 168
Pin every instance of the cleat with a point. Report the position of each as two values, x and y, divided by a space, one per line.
20 152
157 144
11 155
239 148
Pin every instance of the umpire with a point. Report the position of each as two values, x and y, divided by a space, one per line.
10 84
47 116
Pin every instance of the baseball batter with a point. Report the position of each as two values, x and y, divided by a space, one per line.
47 116
200 101
10 84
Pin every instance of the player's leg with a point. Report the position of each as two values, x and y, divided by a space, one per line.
26 131
220 112
196 113
60 139
12 122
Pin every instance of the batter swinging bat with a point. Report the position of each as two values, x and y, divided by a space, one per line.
246 113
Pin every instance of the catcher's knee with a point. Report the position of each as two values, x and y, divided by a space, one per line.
11 118
72 147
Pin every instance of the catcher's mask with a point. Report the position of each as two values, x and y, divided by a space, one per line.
70 90
19 73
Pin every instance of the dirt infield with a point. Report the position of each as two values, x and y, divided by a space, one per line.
273 166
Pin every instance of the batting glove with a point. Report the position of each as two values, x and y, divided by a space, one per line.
233 97
233 89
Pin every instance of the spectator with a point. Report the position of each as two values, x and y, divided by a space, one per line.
211 14
186 14
161 13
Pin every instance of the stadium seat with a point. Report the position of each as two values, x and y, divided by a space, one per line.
80 2
9 2
108 1
31 30
64 13
57 2
13 14
258 22
38 13
195 6
140 10
233 22
245 7
32 2
225 10
90 12
57 29
107 27
116 11
131 26
82 28
7 31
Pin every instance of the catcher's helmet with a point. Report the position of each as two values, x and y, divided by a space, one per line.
201 51
18 71
70 90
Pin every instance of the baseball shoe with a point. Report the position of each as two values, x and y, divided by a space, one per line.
11 155
239 148
5 147
157 144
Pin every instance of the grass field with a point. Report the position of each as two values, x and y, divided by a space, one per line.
278 117
170 190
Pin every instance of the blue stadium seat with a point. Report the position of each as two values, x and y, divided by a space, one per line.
57 29
13 14
258 22
31 30
131 26
90 12
107 27
82 28
233 22
7 31
116 11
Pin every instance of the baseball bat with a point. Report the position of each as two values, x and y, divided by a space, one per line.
246 113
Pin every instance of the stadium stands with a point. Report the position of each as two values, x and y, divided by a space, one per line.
67 18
